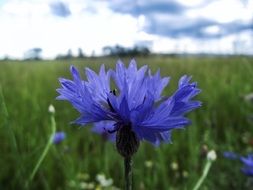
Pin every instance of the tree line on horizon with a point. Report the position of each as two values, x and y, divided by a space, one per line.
117 50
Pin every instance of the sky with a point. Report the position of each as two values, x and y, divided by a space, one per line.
165 26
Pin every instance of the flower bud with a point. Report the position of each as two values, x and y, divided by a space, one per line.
59 137
211 155
127 142
51 109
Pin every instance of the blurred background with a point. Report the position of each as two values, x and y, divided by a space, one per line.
211 40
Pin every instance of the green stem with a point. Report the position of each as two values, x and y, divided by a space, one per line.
128 173
44 153
204 174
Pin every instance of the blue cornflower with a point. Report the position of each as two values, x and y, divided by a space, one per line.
58 137
248 165
230 155
133 106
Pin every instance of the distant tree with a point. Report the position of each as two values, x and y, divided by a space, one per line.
6 58
59 57
122 51
144 51
33 54
80 53
107 50
93 53
69 54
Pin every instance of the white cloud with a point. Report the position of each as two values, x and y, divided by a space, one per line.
92 24
224 11
28 28
236 43
212 30
192 2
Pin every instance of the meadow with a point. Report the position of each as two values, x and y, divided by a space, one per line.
223 123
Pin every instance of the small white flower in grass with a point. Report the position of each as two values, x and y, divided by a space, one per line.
174 166
84 185
148 164
100 177
51 109
211 155
185 174
103 181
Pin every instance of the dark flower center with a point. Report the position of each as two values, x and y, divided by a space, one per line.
127 142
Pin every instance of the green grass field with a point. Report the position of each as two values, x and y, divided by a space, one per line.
27 88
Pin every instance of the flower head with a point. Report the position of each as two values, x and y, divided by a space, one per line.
134 107
247 169
58 137
230 155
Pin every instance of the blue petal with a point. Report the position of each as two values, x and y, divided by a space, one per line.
68 84
75 74
78 94
137 92
184 80
156 84
149 136
124 111
103 129
144 110
186 92
161 120
164 137
181 108
248 161
99 85
248 171
132 68
165 124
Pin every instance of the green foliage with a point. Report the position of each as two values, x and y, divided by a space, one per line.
27 89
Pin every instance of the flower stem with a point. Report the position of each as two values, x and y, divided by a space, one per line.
204 174
44 153
128 172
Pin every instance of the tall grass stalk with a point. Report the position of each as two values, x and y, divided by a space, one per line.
6 122
44 153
